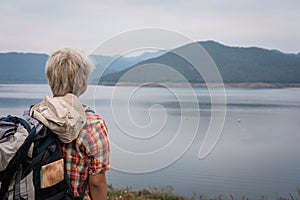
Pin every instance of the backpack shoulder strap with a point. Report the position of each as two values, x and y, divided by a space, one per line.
88 109
38 125
86 182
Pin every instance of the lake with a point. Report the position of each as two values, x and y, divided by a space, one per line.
156 134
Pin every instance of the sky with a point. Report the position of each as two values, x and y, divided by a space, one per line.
48 25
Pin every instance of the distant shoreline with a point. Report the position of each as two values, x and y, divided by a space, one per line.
254 85
251 85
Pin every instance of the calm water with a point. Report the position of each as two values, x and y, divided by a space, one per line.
257 153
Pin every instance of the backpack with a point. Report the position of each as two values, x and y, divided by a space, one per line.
32 165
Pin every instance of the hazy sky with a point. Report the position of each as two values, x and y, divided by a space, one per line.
44 26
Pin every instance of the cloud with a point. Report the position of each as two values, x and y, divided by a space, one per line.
51 24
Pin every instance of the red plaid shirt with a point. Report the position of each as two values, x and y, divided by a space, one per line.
88 154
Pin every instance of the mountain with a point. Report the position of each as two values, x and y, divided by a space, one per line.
108 65
235 64
30 67
22 68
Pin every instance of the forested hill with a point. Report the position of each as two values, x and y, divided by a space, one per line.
22 68
236 65
30 68
254 64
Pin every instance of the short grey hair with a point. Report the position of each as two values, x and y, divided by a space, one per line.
67 70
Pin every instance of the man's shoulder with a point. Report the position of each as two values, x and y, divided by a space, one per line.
94 129
93 118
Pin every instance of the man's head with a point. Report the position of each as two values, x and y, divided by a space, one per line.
67 71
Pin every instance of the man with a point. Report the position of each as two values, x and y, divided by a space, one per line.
82 132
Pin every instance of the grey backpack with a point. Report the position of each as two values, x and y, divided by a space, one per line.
31 162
